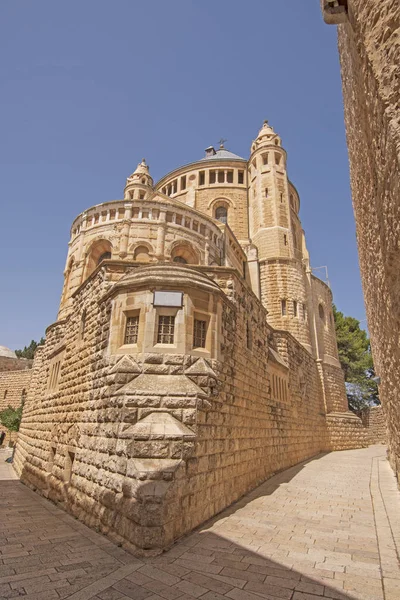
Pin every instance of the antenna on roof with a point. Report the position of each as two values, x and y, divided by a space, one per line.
221 143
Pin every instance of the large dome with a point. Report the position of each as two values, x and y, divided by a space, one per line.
4 351
221 154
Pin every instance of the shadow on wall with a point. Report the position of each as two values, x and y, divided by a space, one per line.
217 561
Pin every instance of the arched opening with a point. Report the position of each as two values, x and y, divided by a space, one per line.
67 278
141 254
104 256
179 259
184 254
99 251
321 313
221 214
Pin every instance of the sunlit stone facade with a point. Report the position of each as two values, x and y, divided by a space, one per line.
194 353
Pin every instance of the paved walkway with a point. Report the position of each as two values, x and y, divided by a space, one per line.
326 528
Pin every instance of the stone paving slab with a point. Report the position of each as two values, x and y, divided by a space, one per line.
328 528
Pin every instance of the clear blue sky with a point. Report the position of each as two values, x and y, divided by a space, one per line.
89 88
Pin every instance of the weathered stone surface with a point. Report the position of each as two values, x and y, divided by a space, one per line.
369 47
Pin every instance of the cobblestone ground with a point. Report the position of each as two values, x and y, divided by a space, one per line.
325 528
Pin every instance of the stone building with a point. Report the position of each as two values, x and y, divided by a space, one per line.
194 353
369 48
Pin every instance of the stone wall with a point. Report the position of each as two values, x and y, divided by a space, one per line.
14 386
369 47
346 431
147 445
374 420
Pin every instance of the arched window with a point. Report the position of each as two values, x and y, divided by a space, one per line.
104 256
221 214
23 396
321 312
141 254
68 278
99 251
179 259
5 394
184 254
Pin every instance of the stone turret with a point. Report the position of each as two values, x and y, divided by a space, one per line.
275 230
268 195
139 184
266 137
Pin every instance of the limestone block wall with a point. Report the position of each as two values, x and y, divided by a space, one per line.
346 431
335 389
145 441
325 324
146 446
373 419
14 387
285 281
369 47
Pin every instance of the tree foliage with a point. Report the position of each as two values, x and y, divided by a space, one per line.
29 351
11 418
356 360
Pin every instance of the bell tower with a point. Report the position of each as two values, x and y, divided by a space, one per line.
268 196
275 230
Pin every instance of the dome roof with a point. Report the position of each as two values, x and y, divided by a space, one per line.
4 351
223 154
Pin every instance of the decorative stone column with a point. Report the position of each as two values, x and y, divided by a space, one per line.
123 247
160 247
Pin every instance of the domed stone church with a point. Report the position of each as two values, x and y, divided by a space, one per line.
194 354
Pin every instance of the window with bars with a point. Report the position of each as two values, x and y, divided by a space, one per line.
166 328
55 370
131 330
199 333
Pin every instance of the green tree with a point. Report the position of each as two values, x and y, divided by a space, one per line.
11 417
356 360
29 351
